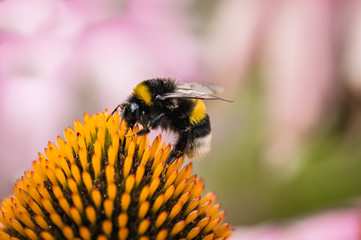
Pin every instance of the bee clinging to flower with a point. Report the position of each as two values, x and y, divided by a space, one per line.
177 107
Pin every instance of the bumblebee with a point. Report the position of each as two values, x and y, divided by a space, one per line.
175 107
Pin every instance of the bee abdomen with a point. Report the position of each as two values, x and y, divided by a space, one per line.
198 112
199 146
199 139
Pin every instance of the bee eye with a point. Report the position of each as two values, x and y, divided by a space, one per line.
133 107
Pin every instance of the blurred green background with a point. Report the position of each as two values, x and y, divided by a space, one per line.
323 174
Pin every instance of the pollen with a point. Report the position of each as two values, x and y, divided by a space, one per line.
97 184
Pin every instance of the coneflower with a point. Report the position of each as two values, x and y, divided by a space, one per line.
99 184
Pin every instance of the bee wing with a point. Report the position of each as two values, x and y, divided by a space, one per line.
204 87
202 91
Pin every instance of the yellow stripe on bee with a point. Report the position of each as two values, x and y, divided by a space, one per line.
198 113
141 91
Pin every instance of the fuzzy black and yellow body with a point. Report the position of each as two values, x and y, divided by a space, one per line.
174 107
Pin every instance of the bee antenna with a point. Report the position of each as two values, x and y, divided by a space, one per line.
121 106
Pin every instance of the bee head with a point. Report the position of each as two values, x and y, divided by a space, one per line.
130 113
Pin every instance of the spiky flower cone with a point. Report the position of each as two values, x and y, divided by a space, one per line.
98 184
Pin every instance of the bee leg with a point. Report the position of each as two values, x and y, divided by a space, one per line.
141 132
153 124
179 149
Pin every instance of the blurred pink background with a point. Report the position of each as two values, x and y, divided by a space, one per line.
292 67
335 225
